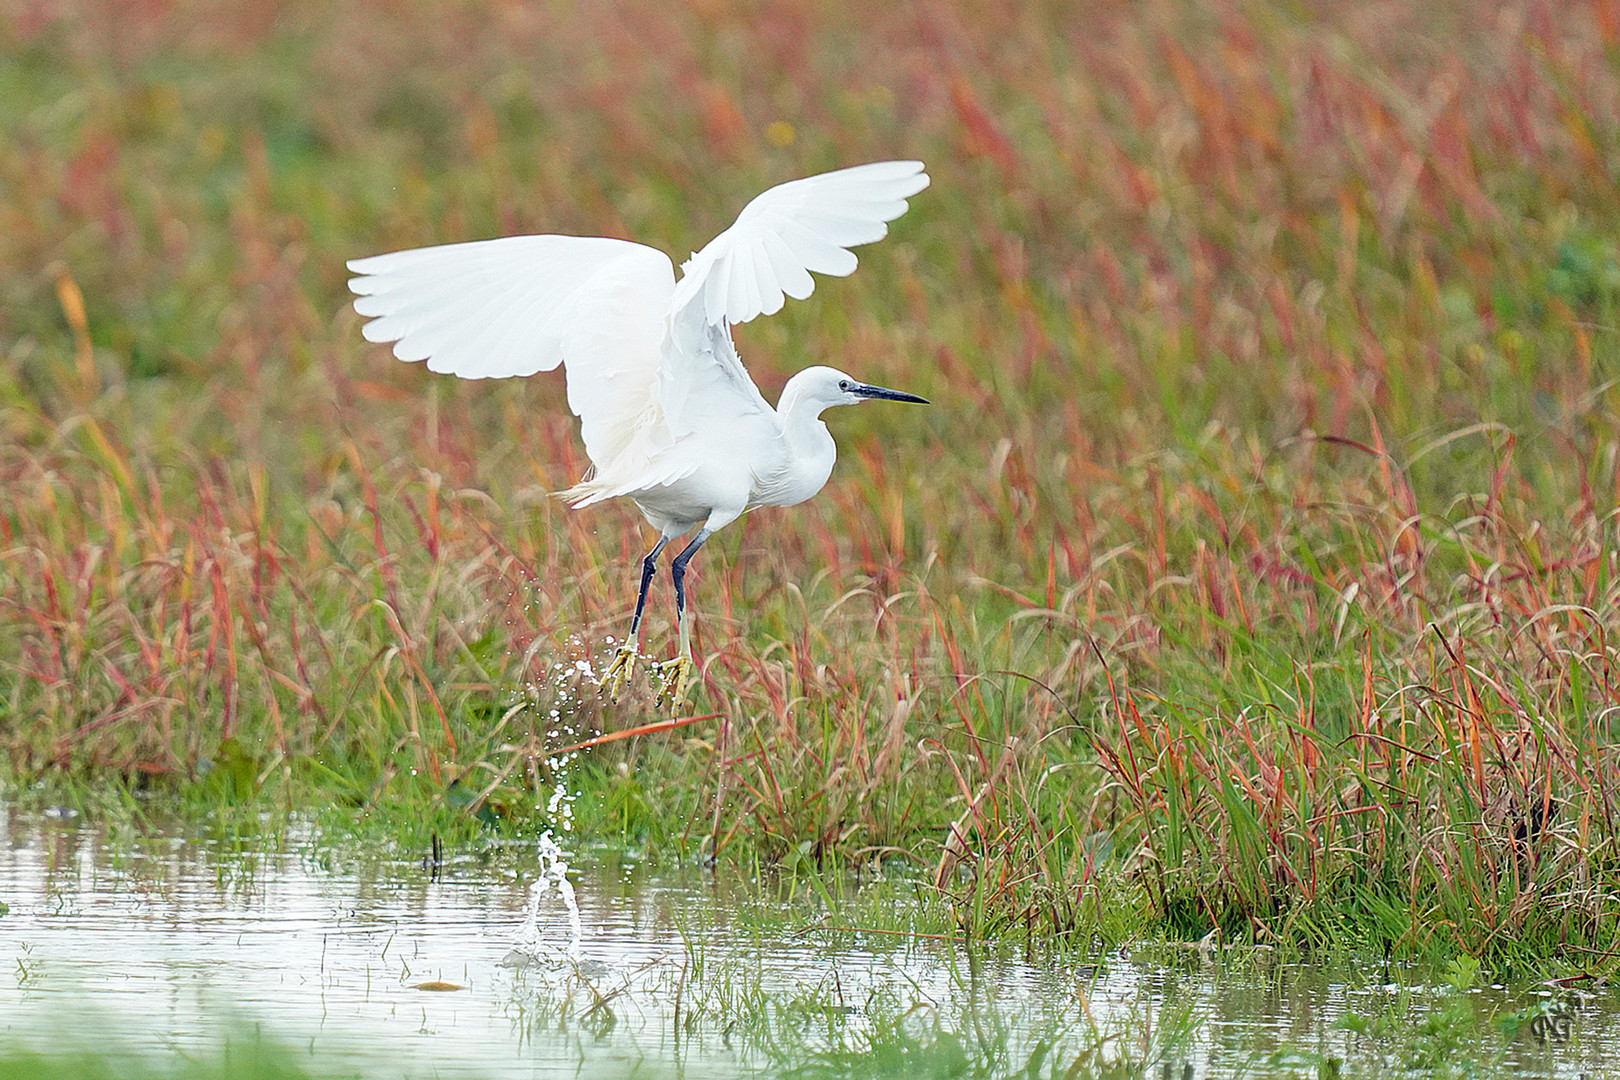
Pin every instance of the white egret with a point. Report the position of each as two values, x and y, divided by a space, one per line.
669 416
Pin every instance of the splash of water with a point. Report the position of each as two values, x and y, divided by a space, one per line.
531 945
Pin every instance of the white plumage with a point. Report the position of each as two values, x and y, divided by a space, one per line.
668 414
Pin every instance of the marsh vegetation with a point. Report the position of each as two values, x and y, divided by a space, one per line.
1253 572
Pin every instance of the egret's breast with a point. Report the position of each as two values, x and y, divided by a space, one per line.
798 470
714 471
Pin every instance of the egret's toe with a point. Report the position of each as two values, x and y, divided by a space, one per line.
676 678
624 661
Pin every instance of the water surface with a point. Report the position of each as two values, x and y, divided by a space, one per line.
145 947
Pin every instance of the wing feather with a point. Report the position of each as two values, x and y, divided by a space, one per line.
492 309
820 217
817 253
768 254
790 271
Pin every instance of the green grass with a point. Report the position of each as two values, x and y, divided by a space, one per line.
1254 569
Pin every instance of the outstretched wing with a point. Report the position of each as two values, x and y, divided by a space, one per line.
793 229
767 255
492 309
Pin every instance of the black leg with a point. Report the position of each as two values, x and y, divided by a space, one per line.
677 570
649 566
677 673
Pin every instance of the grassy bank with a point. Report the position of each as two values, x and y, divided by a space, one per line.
1255 567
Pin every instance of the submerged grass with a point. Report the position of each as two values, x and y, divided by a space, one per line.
1254 572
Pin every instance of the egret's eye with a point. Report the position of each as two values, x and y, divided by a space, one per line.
844 385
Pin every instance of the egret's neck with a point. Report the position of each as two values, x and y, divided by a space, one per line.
800 413
810 448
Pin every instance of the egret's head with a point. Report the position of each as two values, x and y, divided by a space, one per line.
823 387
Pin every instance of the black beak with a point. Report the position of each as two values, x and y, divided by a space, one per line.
864 390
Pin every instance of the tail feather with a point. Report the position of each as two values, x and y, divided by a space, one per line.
584 493
597 487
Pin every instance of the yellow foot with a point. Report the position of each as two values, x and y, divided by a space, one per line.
676 679
624 661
